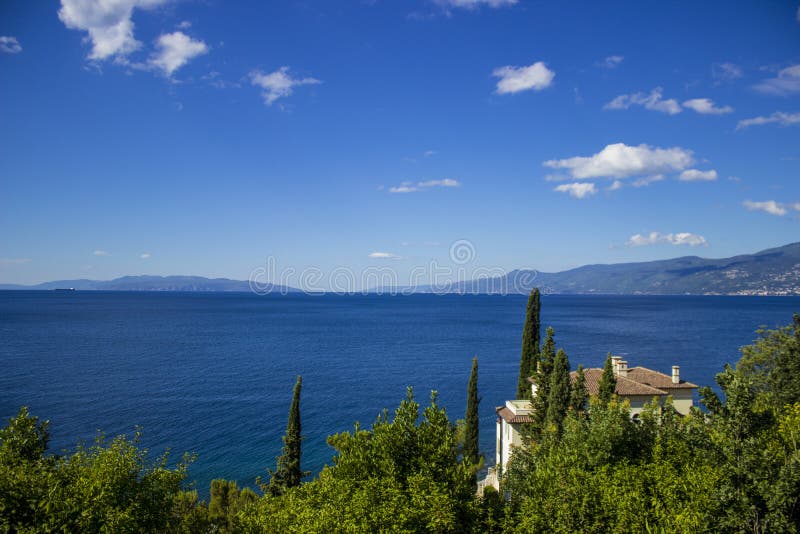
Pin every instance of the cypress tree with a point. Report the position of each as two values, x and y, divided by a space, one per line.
579 394
471 417
543 370
288 473
530 344
608 382
559 394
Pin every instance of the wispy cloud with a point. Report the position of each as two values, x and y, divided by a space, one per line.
611 62
384 256
786 83
654 238
577 189
647 180
767 206
474 4
108 24
214 79
653 101
726 72
145 255
622 161
101 253
411 187
779 117
694 175
9 45
706 106
14 261
278 84
534 77
174 50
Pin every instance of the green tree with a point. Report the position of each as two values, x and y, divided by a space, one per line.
401 475
471 422
542 377
530 344
784 378
288 473
608 382
578 394
559 394
227 500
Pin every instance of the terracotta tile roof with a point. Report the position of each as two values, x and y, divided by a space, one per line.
509 417
625 386
640 381
658 380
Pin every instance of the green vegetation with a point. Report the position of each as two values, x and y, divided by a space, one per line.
471 421
608 382
530 344
734 467
288 473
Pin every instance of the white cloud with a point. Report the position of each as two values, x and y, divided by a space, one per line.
410 187
786 83
9 45
767 206
706 106
184 25
384 256
779 117
577 189
611 62
653 238
653 101
647 180
175 50
614 186
694 175
622 161
101 253
278 84
14 261
145 255
405 187
726 72
108 23
473 4
446 182
515 79
796 206
429 153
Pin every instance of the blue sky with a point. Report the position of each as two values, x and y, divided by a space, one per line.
202 137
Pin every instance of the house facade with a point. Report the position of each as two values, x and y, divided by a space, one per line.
637 385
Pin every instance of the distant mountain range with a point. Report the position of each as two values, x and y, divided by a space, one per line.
150 283
774 271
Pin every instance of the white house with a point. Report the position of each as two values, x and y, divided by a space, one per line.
637 385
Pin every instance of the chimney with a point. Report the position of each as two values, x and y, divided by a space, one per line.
676 374
615 364
622 369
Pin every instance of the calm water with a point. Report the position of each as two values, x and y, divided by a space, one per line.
212 373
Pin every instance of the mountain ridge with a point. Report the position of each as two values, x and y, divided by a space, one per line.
773 271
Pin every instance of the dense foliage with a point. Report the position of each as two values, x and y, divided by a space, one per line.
288 473
732 467
530 344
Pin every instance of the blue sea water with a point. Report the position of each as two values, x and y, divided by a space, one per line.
212 373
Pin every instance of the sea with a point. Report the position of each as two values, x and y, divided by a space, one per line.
212 373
